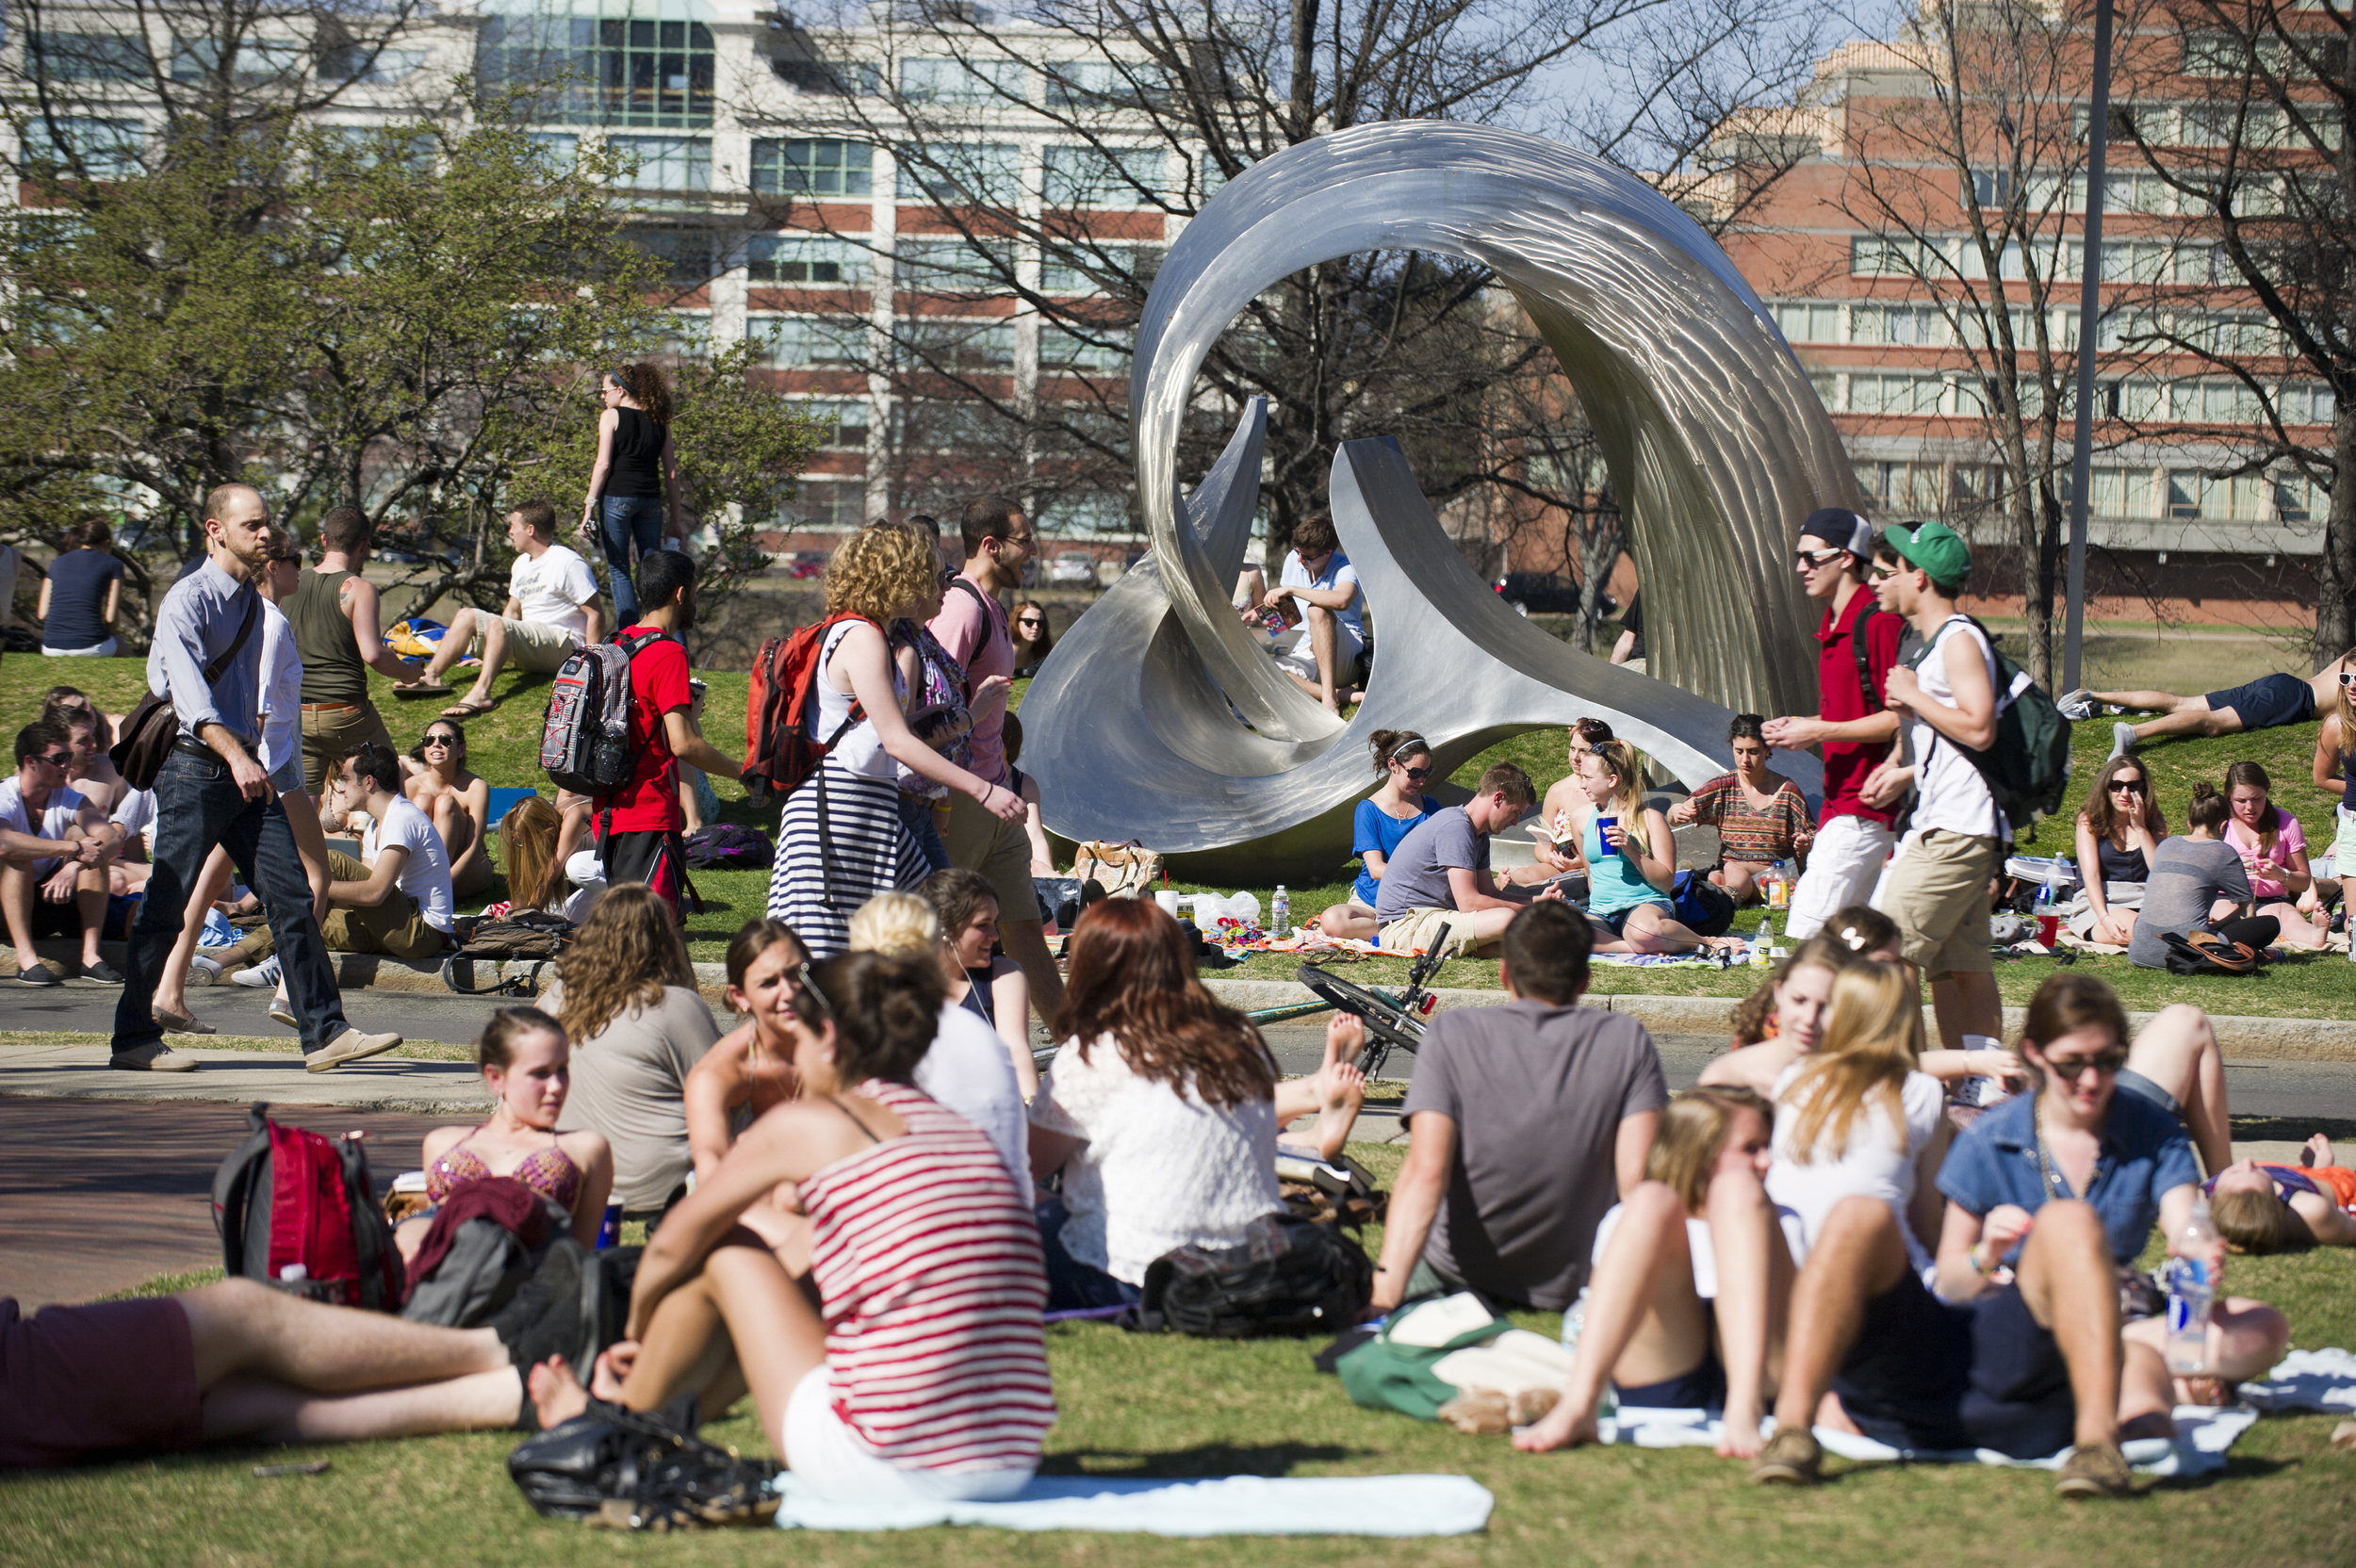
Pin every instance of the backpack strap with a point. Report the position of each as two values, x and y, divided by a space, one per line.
1860 637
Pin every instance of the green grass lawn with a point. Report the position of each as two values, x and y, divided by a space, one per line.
503 746
1137 1405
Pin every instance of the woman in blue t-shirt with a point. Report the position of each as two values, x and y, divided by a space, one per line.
81 594
1403 759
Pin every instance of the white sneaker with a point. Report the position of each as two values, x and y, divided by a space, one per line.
2123 739
203 970
350 1046
263 973
2076 705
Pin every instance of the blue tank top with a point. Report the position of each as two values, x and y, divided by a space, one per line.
1613 883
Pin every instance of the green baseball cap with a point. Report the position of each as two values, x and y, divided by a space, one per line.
1935 549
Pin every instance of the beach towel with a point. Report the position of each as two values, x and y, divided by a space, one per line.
1228 1505
2203 1433
2310 1380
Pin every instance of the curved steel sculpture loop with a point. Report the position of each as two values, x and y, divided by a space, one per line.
1717 445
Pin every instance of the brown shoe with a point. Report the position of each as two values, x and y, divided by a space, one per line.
2097 1470
350 1046
1792 1458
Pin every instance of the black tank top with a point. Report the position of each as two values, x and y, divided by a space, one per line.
636 471
2120 865
977 998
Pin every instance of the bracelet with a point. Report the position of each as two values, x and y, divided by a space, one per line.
1983 1270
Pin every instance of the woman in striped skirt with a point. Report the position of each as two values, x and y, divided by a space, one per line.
841 841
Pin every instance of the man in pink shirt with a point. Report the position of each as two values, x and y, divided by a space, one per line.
972 627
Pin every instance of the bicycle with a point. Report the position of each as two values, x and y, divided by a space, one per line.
1394 1021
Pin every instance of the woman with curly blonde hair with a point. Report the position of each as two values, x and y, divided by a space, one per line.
842 839
627 997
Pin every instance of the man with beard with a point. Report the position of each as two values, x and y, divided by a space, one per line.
643 820
213 791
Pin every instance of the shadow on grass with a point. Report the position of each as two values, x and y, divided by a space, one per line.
1208 1458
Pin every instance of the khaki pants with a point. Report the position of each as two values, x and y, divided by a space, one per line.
329 733
395 927
1936 893
999 850
531 645
1414 931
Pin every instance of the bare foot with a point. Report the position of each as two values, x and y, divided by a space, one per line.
1563 1428
2317 1153
556 1394
612 1369
2152 1423
1738 1435
1341 1090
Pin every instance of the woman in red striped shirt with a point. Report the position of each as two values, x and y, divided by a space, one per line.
927 1376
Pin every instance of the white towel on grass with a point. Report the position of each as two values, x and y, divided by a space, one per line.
2308 1380
2203 1434
1229 1504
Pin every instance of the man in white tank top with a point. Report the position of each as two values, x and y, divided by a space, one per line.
1937 886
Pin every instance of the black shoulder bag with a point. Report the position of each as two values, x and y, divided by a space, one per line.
149 729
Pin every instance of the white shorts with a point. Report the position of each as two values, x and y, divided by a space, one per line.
100 650
531 645
826 1455
1349 655
1843 866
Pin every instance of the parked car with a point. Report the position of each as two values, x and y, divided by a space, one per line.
806 563
1071 568
1539 593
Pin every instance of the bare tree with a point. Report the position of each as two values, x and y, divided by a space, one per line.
2256 279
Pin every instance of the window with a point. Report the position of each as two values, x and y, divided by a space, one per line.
106 149
1912 324
1093 349
941 426
804 341
1808 320
968 267
381 68
649 65
806 259
665 162
89 57
411 150
1905 393
560 148
827 504
2118 493
2244 497
1915 487
259 62
966 81
690 258
683 335
820 167
1077 271
961 174
2305 403
929 343
841 423
1103 84
1105 176
1093 511
1874 256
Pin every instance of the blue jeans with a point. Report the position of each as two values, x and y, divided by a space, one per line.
916 815
1074 1286
198 805
623 521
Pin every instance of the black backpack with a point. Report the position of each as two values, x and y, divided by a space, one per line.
1290 1276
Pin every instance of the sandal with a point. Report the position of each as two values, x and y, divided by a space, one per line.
423 689
470 708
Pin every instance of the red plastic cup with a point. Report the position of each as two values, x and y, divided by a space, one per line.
2048 927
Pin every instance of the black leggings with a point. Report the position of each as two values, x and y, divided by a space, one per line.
2258 931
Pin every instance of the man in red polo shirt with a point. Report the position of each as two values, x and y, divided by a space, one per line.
1852 725
644 817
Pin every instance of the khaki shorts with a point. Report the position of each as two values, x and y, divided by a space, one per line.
1936 894
329 733
1413 931
1000 851
531 645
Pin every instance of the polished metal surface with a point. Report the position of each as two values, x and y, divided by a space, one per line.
1161 717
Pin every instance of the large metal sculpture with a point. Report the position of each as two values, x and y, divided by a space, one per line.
1159 717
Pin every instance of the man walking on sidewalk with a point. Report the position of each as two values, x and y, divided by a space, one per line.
212 790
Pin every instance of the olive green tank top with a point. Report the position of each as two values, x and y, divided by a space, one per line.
332 671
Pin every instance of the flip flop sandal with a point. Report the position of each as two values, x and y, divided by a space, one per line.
469 710
411 693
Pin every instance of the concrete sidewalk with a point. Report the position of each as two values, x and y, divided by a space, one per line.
449 1091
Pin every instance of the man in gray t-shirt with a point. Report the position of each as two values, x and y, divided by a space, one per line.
1526 1123
1439 875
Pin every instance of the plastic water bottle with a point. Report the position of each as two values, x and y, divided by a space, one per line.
2189 1292
1779 886
1279 913
1762 940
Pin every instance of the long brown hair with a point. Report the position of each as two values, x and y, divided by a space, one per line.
528 835
2102 820
648 388
2248 775
1133 978
626 952
1873 1038
1394 745
2346 709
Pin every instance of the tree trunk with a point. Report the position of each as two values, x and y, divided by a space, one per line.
2335 574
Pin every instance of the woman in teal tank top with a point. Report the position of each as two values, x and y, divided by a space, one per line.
1631 865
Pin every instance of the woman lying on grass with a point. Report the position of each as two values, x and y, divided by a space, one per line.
924 1377
1692 1272
2261 1206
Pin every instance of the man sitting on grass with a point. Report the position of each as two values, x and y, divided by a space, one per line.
1526 1123
1439 875
238 1361
65 892
551 611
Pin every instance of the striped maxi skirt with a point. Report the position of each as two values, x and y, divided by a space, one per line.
822 876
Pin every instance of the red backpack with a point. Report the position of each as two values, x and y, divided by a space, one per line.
291 1200
778 752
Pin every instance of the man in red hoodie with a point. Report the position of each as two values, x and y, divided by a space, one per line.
1853 727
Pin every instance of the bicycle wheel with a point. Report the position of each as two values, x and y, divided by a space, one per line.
1388 1025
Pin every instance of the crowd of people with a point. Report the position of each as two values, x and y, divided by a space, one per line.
864 1197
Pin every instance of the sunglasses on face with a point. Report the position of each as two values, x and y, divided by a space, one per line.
2072 1069
1417 773
55 758
1809 561
441 740
2133 786
1028 620
2348 677
808 986
1883 574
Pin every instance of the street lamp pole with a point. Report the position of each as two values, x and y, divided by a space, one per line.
2089 312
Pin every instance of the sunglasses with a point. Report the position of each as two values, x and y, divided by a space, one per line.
808 986
1883 574
1417 773
55 758
1809 561
2133 786
2072 1069
1028 620
441 741
2348 677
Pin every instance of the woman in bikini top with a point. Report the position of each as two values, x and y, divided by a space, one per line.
527 1066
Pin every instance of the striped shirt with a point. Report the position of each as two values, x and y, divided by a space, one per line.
933 1282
